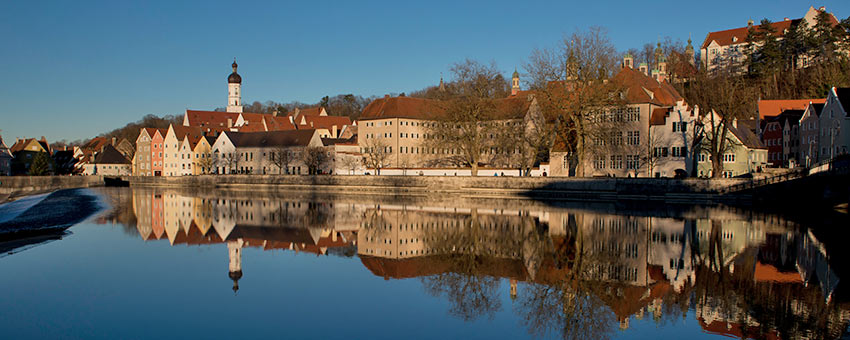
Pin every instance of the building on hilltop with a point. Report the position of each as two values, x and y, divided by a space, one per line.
729 47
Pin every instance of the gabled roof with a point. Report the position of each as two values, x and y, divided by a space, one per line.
214 120
181 132
271 138
774 107
152 131
746 136
22 144
640 88
727 37
95 144
110 155
278 123
310 111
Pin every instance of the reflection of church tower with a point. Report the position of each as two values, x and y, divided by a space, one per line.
234 249
513 289
515 83
234 87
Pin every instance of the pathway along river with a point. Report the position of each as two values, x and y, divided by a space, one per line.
213 264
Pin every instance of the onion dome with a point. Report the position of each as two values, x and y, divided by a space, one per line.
234 77
516 74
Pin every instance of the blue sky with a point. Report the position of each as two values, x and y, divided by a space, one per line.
74 69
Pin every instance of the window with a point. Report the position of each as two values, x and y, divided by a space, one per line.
633 138
729 158
599 163
632 162
678 151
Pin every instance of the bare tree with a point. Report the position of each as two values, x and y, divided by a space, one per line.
376 154
206 162
281 157
572 82
315 158
462 133
729 98
231 161
350 163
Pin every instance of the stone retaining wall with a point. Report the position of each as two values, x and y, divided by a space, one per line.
22 184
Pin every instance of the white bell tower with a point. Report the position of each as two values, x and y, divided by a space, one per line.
234 90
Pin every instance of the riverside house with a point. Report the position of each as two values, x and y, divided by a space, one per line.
744 153
5 159
254 152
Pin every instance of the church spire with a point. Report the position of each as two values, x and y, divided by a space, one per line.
234 89
515 83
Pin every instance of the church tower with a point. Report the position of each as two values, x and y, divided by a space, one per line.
689 52
234 88
515 83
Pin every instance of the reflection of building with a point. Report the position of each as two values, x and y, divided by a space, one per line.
742 275
263 223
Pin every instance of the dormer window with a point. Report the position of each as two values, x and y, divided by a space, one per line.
734 39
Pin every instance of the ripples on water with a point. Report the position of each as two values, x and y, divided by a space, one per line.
558 270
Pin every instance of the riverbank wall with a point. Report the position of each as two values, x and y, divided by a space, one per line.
602 189
21 185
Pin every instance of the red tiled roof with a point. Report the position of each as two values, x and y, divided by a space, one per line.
279 123
640 88
727 37
402 107
659 116
775 106
325 122
216 120
95 144
182 132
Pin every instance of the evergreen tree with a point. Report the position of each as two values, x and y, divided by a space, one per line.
41 165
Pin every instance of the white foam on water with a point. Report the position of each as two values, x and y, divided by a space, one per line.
10 210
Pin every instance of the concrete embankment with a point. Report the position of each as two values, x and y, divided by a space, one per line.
603 189
15 186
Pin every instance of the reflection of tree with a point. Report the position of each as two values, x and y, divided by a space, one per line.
471 293
567 305
566 308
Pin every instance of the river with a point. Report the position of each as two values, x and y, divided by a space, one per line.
171 263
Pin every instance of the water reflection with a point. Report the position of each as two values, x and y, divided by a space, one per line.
569 272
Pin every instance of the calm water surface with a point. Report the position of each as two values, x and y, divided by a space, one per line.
181 264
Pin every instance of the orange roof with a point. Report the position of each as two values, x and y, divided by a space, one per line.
152 131
659 116
278 123
310 111
401 107
181 132
641 88
766 272
774 107
325 122
95 144
216 120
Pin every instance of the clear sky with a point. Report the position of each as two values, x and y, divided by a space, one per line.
74 69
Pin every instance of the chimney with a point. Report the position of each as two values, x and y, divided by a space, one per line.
749 23
822 8
113 141
386 96
333 131
786 19
735 123
229 123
